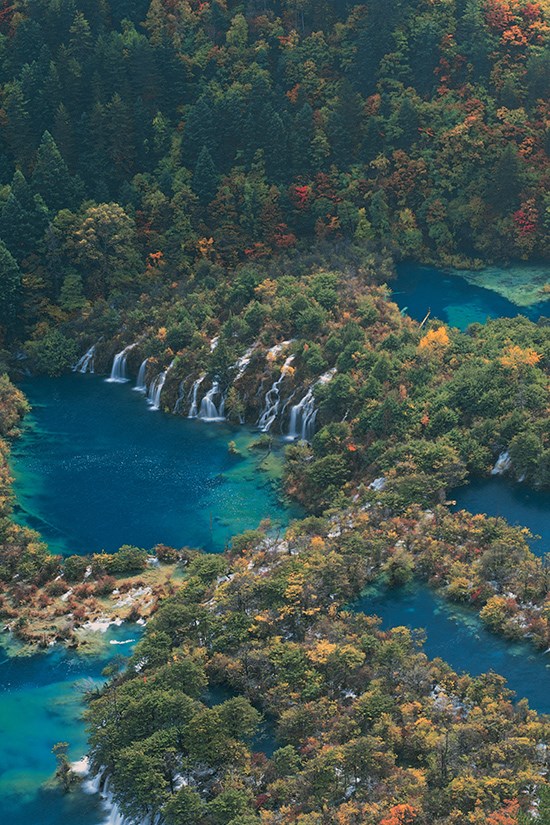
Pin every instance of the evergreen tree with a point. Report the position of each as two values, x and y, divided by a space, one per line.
10 288
300 140
374 40
205 179
19 128
275 144
23 218
506 183
199 132
120 137
345 125
71 296
407 123
51 178
63 135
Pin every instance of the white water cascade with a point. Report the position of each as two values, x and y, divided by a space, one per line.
209 411
181 397
304 414
141 385
275 351
243 363
86 363
194 408
503 464
155 388
118 370
302 418
273 399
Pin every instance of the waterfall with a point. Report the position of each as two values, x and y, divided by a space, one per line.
304 414
141 386
181 396
302 418
273 399
208 410
194 408
155 388
503 464
272 353
118 370
243 363
86 363
378 485
214 343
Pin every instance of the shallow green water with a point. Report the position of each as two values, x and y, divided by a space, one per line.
41 703
96 468
459 637
449 297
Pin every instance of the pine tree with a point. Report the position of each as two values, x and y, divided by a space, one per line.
407 123
275 144
506 184
374 40
345 125
71 296
51 178
10 288
300 140
63 134
23 218
199 132
19 128
205 179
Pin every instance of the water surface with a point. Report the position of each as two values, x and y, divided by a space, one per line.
95 468
517 503
449 297
41 703
458 636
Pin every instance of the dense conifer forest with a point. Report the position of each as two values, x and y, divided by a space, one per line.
217 194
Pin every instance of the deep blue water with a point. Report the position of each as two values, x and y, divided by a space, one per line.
41 703
419 289
517 503
96 468
459 637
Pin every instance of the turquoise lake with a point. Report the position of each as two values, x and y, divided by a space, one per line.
459 637
41 702
97 468
517 503
449 297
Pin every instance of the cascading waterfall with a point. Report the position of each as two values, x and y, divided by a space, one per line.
141 385
181 396
302 418
243 363
194 408
503 464
155 389
304 414
118 370
86 363
275 351
101 786
273 399
209 411
214 343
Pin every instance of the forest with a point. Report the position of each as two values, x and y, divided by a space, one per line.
422 129
217 194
